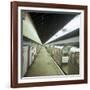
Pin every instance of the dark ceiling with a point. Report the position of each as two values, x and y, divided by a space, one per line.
47 24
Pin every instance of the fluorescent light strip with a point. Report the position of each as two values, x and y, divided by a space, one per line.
71 26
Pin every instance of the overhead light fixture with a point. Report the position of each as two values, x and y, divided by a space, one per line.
64 30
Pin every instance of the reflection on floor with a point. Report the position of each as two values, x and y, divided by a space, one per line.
44 65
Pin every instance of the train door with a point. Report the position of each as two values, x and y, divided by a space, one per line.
30 54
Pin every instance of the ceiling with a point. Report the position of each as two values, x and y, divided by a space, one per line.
47 24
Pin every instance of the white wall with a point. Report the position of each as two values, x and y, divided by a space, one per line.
29 29
5 48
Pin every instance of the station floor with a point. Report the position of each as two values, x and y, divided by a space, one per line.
44 65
